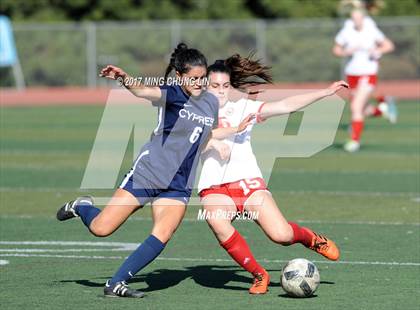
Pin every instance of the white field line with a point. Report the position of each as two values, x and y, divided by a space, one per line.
69 243
213 260
196 200
194 220
40 189
16 250
61 256
119 246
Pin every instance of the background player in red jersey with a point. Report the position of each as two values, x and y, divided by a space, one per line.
361 41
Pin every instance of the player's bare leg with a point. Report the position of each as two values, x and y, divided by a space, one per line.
222 227
116 212
358 103
167 215
101 223
233 242
280 231
270 219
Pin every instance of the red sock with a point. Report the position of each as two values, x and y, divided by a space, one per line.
356 130
380 98
301 235
376 112
239 250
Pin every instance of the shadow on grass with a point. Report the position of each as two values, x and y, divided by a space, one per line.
284 295
212 276
292 297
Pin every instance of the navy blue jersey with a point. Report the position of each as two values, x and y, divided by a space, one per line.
169 159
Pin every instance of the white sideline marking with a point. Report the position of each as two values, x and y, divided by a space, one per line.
61 256
199 259
64 243
63 250
124 246
39 189
194 220
3 262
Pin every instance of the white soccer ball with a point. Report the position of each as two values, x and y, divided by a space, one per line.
300 278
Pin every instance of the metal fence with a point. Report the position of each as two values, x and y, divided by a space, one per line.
61 54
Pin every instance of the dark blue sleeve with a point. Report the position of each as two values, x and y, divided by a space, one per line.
169 95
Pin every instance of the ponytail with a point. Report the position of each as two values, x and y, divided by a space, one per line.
183 58
241 70
244 68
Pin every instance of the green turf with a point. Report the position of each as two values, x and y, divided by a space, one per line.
368 202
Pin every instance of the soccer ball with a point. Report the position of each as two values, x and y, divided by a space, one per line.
299 278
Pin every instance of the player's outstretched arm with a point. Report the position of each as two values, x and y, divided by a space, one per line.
295 103
225 132
137 89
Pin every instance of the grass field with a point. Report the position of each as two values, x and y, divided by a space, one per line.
368 202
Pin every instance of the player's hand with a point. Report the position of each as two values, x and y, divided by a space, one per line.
335 87
375 54
112 72
222 149
248 120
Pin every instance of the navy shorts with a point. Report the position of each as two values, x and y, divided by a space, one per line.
146 195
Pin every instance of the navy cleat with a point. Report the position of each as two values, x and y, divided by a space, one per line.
67 211
121 289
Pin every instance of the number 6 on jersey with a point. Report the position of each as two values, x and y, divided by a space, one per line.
195 134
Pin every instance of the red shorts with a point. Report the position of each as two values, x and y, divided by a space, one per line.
239 191
356 80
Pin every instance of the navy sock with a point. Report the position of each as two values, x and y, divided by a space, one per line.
140 258
87 213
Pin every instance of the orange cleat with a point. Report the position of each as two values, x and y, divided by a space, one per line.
324 246
261 282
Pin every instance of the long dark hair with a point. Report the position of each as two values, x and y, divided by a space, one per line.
183 58
243 71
